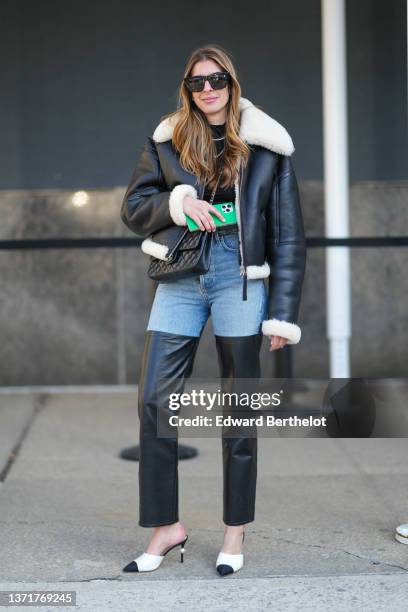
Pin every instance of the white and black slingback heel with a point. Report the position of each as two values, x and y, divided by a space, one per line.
227 563
147 562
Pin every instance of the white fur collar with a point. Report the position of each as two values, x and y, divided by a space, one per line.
256 128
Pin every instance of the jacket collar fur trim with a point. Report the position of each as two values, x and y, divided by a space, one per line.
256 128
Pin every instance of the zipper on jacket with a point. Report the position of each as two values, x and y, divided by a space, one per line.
242 267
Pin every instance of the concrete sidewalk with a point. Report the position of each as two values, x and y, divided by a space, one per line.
323 538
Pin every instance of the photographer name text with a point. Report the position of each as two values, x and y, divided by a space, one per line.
260 420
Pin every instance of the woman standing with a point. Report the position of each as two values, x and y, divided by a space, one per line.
221 141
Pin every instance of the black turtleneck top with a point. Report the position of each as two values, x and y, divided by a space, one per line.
221 195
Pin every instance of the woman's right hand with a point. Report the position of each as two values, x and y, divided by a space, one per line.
199 211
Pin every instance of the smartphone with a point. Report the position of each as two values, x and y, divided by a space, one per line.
227 209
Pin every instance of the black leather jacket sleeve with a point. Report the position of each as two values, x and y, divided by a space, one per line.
145 206
285 247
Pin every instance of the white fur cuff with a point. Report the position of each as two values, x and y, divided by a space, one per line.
275 327
258 271
155 249
176 202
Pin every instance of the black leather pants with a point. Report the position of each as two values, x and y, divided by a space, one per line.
166 363
238 358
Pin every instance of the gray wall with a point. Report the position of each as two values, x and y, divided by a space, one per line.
84 83
79 316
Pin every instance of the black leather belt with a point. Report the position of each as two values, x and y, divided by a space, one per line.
227 229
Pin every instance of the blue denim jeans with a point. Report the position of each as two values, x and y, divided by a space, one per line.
183 306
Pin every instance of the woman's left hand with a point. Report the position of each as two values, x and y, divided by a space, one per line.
277 342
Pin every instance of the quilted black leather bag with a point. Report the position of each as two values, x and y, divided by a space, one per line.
189 252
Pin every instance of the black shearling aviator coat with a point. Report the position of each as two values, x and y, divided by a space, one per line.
270 223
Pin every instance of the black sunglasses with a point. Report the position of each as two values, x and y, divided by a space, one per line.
217 80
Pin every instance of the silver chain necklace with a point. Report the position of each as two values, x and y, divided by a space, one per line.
215 188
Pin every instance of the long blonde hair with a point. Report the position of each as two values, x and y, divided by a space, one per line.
192 136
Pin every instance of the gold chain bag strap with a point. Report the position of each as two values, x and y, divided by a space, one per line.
189 255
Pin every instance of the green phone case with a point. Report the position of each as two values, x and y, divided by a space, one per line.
227 209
